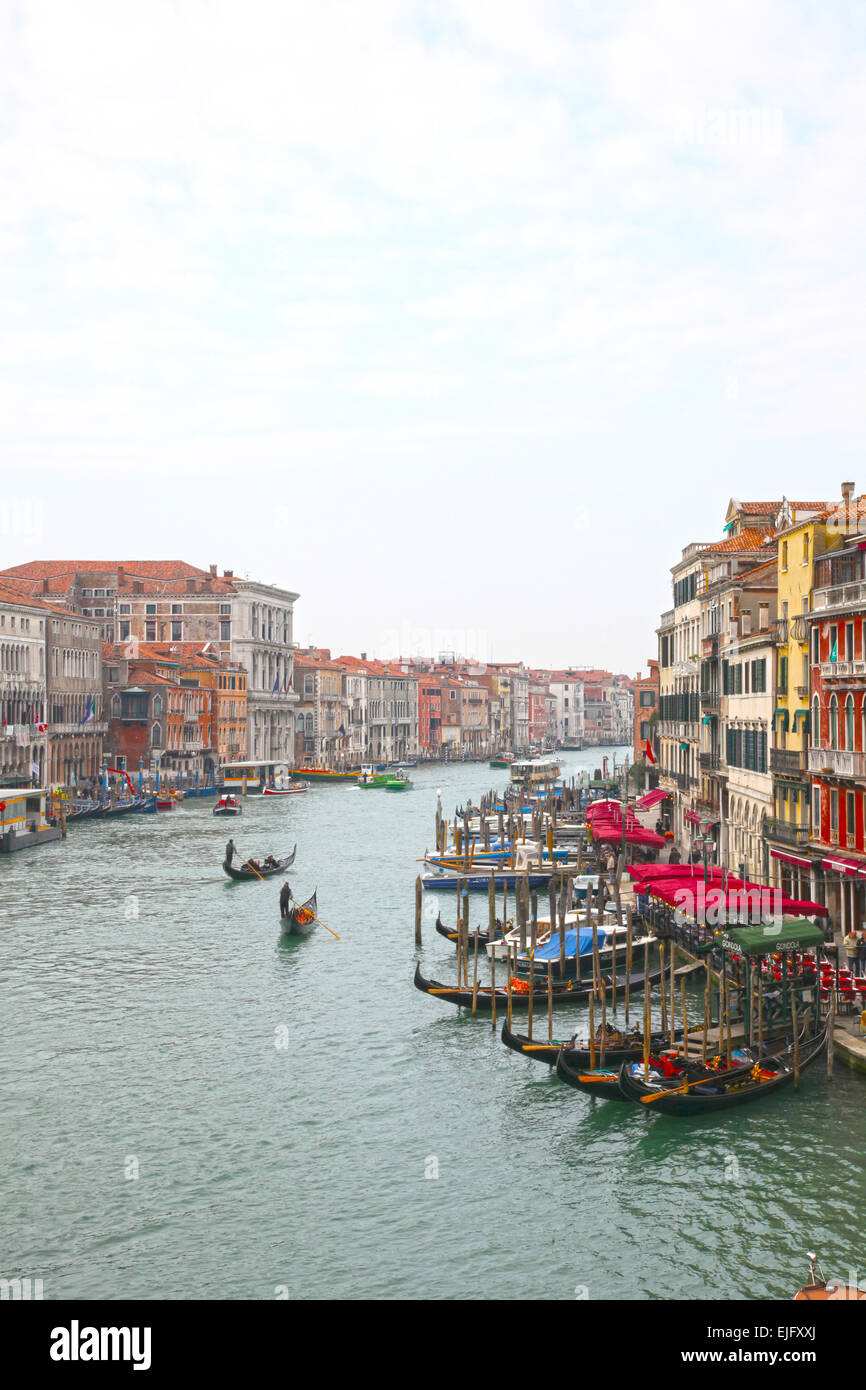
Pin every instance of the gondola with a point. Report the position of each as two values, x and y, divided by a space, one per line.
720 1093
562 992
605 1081
245 872
450 934
302 918
617 1049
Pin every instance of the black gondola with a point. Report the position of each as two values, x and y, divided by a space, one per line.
605 1081
302 918
562 992
450 934
260 871
723 1091
617 1048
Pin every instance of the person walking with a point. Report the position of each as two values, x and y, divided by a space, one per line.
851 944
285 899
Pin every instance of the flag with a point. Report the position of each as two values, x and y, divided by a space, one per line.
342 731
276 689
88 713
648 752
42 728
834 650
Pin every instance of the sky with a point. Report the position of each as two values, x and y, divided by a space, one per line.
460 319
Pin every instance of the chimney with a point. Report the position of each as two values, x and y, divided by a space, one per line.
190 586
363 656
847 493
213 571
121 576
228 574
45 588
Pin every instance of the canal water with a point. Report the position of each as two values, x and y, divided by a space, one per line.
194 1107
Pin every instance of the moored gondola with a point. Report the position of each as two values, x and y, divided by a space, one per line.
252 869
726 1089
450 934
618 1047
562 992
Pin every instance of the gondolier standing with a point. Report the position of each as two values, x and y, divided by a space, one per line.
285 899
230 852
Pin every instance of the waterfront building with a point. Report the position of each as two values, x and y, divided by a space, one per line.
679 699
74 698
323 716
837 753
645 696
392 712
158 601
23 733
429 715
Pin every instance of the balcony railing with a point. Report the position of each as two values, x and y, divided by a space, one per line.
839 762
710 699
787 832
802 691
800 629
844 670
780 630
791 761
839 596
710 762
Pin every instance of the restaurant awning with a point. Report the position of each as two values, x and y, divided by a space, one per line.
650 799
764 940
695 818
841 864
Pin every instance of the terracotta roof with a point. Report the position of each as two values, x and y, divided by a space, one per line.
151 569
753 538
770 508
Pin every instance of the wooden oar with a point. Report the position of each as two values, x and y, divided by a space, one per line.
323 924
250 866
701 1081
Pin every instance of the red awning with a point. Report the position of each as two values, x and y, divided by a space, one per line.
649 799
787 858
695 818
841 864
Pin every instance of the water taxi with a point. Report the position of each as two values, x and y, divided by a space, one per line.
368 778
535 772
24 820
252 777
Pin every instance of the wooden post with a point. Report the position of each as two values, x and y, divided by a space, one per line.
603 1027
531 991
664 1024
508 985
727 992
550 1001
616 888
475 978
596 965
628 957
561 910
492 988
491 911
673 991
685 1019
831 1023
592 1032
796 1039
761 1010
612 975
647 1024
466 936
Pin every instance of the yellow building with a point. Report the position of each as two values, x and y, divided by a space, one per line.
800 542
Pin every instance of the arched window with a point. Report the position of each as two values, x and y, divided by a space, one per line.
156 736
834 722
309 724
849 722
157 706
299 724
115 707
816 722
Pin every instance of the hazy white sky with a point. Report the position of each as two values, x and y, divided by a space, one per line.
459 318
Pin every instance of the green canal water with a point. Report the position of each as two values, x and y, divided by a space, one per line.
284 1103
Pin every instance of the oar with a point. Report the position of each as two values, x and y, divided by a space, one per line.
250 866
324 924
701 1081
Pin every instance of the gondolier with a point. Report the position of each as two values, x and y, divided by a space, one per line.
230 852
285 899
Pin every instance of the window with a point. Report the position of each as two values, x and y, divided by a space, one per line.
125 608
850 815
784 555
150 608
150 632
225 631
177 608
225 609
176 631
816 810
849 722
806 548
834 642
157 706
849 641
124 631
647 699
308 685
834 722
156 736
834 810
816 722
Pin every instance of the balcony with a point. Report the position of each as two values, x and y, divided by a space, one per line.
667 619
790 762
800 629
839 597
787 833
780 630
689 667
711 762
838 762
843 670
710 645
710 699
802 691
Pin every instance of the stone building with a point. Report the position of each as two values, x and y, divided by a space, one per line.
23 742
74 698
